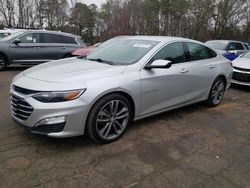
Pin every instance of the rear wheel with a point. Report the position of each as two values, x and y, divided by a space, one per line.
109 118
217 92
3 62
67 56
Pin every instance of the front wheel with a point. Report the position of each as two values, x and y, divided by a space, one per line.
216 93
109 118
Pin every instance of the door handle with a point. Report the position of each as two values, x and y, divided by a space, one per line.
64 47
184 70
212 66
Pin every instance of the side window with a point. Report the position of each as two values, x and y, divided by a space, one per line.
30 38
68 40
199 52
51 38
235 46
173 52
239 46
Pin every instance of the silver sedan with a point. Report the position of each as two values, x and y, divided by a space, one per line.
241 75
126 79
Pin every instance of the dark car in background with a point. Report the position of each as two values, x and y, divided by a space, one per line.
37 46
229 49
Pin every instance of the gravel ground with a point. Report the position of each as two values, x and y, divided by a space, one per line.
193 147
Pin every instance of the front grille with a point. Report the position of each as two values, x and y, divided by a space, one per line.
242 69
23 90
241 77
20 108
49 128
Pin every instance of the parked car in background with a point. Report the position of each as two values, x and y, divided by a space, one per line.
84 51
246 44
87 50
6 32
241 73
37 46
229 49
131 78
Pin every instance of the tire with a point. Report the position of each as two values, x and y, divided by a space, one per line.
109 118
217 92
3 62
67 56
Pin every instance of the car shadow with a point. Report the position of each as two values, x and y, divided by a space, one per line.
17 68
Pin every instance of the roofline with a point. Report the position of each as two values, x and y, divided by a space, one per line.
54 32
224 41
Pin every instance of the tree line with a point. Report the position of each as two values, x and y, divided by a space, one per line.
197 19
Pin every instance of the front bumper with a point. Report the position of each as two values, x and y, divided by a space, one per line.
75 113
241 77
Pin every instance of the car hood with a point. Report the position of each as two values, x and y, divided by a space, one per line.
242 63
72 69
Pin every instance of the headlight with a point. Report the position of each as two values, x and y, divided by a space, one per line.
60 96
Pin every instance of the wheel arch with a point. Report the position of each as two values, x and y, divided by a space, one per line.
219 76
123 93
223 77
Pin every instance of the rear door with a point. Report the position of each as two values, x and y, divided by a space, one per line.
57 46
29 51
52 46
201 65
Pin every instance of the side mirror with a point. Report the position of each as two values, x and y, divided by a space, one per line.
159 64
17 41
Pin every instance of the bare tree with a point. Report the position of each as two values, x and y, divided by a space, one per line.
7 10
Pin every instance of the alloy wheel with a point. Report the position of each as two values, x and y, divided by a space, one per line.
112 119
218 92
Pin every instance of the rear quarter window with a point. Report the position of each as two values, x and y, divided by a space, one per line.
51 38
199 52
68 40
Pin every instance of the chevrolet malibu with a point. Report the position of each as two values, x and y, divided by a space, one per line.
241 72
131 78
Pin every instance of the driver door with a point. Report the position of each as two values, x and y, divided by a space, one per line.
163 88
28 51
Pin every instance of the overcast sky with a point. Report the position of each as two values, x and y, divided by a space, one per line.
97 2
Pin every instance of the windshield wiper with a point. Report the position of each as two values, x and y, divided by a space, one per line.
102 61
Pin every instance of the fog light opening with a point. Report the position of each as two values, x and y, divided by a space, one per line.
52 121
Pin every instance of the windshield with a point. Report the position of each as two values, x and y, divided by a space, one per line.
219 45
122 51
12 36
246 55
